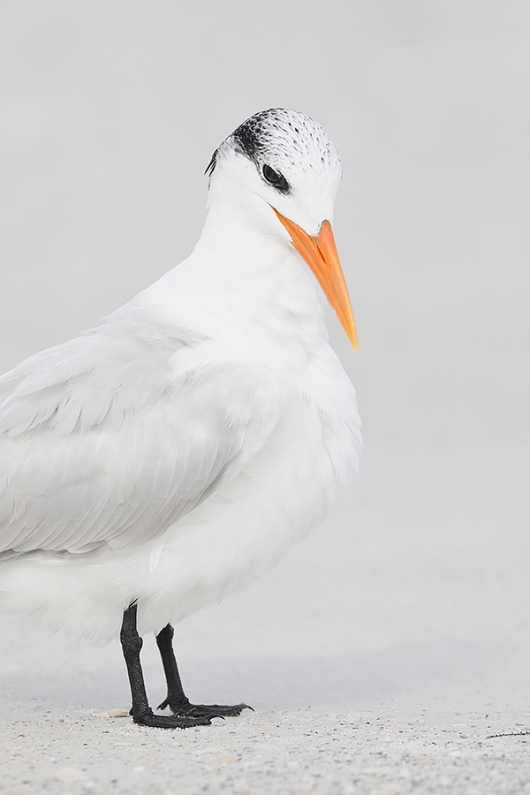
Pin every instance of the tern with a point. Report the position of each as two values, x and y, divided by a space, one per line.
165 459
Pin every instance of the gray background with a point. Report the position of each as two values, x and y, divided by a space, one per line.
412 604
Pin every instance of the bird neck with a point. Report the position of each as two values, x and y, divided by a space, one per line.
267 278
242 281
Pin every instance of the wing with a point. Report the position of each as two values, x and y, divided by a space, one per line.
112 437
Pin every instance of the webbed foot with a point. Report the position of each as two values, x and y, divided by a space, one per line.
183 709
149 718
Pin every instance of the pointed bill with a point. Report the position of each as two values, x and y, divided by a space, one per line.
320 253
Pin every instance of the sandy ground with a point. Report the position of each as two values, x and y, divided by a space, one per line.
379 657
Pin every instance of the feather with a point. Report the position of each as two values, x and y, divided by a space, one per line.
110 449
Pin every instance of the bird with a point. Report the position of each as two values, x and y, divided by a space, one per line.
163 460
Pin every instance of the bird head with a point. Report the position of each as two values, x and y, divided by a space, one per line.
281 168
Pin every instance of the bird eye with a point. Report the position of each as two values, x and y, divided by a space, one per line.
271 175
275 179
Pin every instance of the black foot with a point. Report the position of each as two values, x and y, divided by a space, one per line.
171 721
184 709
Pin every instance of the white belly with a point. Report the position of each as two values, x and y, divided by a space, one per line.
233 537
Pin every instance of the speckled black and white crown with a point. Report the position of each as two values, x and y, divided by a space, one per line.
279 138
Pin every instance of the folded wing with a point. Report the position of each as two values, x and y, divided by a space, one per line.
112 437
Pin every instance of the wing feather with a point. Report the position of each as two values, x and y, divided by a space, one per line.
112 437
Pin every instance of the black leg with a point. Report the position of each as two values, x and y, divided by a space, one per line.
176 700
176 697
141 711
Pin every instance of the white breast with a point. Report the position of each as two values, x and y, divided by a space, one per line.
241 530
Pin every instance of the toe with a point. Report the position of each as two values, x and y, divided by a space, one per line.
214 710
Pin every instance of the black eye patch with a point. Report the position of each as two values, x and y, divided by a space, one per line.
275 179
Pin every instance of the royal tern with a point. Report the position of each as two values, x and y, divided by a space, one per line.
165 459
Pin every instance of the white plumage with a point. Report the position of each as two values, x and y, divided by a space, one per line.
174 453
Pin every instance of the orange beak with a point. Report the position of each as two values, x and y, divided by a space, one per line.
320 253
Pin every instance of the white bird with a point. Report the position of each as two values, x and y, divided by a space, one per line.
165 459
